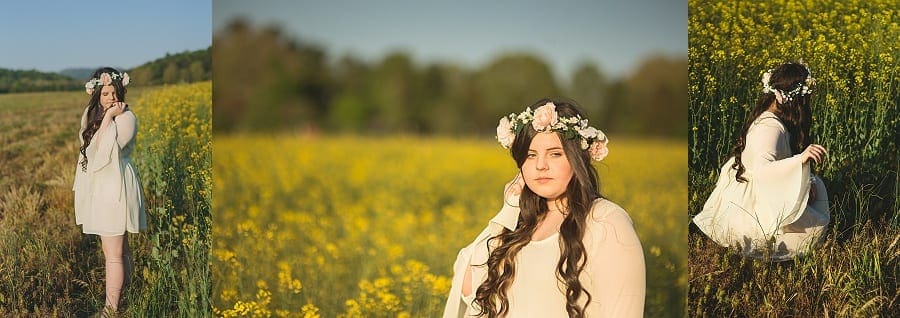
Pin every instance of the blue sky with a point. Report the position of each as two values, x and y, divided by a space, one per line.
54 35
613 34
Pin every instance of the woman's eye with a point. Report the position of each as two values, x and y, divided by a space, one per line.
531 155
556 154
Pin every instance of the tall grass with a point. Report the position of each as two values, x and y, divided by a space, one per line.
852 50
362 227
47 266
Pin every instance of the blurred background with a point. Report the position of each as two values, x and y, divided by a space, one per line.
355 151
410 67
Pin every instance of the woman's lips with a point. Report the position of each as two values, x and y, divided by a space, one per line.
543 180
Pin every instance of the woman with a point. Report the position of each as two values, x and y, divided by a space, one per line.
557 248
766 200
108 195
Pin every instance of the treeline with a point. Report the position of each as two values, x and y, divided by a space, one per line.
266 81
186 67
18 81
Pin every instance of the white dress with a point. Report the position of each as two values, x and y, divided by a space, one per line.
614 273
767 216
108 196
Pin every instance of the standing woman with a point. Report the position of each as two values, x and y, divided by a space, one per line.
108 195
767 201
557 248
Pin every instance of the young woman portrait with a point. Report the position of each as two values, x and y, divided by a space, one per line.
557 248
766 201
108 198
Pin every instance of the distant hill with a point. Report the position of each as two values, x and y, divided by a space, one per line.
193 66
185 67
17 81
77 73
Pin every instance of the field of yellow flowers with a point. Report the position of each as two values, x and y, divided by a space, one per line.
370 227
852 50
47 266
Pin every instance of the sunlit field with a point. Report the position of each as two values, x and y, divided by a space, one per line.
48 268
370 227
852 51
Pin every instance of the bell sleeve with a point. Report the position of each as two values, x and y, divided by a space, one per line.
476 253
780 185
126 127
106 168
79 175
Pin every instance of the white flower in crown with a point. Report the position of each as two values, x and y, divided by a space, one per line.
765 80
89 87
589 132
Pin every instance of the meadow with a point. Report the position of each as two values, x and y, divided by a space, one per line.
852 51
47 266
343 226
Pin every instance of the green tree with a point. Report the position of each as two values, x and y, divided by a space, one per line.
509 84
588 88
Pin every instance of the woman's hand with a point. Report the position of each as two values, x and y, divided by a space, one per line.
513 188
116 109
814 152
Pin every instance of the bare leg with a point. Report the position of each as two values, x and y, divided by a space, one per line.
129 262
115 270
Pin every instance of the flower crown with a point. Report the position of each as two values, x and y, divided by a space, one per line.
106 79
544 119
803 88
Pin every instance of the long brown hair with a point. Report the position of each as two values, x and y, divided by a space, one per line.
794 114
491 296
95 112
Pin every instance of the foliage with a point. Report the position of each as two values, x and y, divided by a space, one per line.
185 67
15 81
288 85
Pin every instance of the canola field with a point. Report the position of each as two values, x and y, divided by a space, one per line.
370 227
852 50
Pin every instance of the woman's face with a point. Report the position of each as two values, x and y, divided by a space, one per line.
546 170
108 95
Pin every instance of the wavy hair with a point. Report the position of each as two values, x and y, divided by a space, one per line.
492 296
95 112
795 114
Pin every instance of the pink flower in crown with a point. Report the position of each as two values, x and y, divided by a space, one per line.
545 116
105 79
125 79
505 135
599 150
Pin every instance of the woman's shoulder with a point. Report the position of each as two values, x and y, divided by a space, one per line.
770 120
608 222
127 115
604 210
